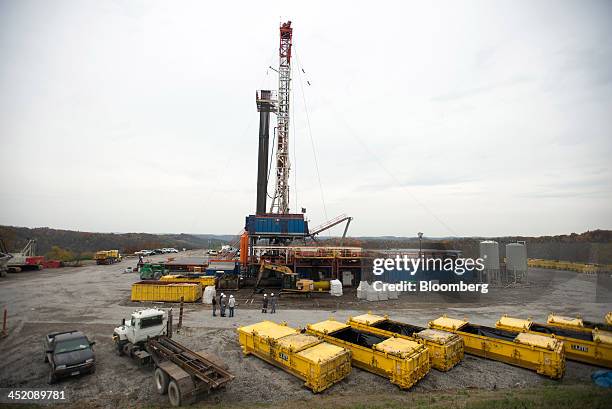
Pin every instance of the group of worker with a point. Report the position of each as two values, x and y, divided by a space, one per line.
271 301
230 303
224 303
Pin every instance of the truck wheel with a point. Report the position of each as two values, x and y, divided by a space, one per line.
120 348
52 378
161 381
174 394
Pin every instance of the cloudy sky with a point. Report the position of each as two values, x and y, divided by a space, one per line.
453 118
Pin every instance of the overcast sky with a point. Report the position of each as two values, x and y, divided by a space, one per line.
451 118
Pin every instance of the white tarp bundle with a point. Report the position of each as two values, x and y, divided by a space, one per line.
209 294
383 295
393 295
335 288
372 294
362 290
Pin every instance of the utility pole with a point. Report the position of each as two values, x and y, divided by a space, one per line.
420 245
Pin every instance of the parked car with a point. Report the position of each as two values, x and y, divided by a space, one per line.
172 250
68 353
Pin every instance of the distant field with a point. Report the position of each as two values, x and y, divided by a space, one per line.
588 247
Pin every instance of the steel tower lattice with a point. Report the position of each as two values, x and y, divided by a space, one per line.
280 200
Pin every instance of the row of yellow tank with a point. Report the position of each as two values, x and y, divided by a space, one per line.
591 344
321 354
569 266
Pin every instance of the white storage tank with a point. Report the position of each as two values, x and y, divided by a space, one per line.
516 257
489 252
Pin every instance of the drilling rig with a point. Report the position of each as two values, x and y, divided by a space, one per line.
277 226
274 235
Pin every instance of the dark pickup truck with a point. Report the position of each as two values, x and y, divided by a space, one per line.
68 353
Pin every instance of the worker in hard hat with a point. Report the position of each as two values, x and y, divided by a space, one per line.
231 303
273 304
222 304
264 307
214 306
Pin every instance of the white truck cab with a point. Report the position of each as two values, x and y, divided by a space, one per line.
143 324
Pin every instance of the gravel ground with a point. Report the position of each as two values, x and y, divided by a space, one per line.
94 298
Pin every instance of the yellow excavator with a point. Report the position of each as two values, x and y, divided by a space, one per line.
290 283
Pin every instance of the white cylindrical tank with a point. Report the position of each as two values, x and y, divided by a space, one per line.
489 252
516 257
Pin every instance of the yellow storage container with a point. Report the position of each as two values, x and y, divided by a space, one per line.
562 321
563 265
445 348
166 291
550 264
318 363
542 354
403 362
593 348
577 323
205 281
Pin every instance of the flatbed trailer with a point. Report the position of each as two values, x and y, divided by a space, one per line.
182 373
445 348
545 355
402 361
593 347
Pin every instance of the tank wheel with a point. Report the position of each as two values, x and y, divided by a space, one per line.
119 349
161 381
174 394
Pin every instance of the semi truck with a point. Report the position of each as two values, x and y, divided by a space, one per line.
107 257
179 372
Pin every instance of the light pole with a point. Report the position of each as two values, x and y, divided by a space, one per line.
420 246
